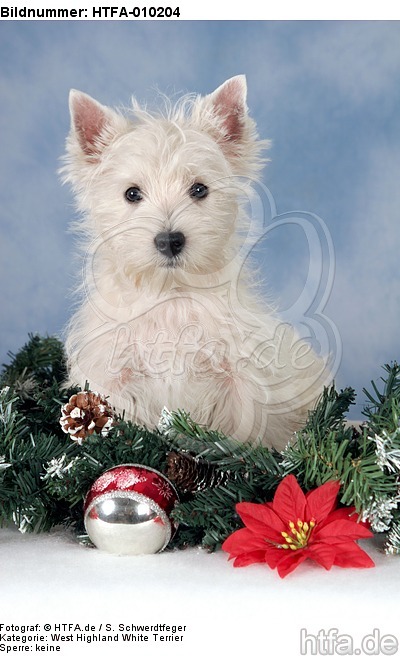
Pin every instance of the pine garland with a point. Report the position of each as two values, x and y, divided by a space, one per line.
44 475
24 499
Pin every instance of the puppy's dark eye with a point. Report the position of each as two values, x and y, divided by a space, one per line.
133 194
198 190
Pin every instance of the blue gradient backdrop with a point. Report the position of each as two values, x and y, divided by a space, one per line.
326 93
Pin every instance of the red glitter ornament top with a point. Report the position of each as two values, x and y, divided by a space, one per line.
136 478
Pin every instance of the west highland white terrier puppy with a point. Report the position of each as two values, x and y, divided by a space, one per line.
168 315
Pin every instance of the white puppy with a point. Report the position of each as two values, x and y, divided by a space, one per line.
167 314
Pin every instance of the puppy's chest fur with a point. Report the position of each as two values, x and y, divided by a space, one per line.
176 337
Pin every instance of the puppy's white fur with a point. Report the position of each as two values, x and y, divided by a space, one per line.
185 332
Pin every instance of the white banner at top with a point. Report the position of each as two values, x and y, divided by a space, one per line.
187 10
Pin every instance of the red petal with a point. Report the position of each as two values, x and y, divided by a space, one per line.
341 530
243 541
289 562
261 519
322 500
273 556
351 555
249 559
323 554
349 512
289 500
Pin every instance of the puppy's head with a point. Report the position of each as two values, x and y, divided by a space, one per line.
161 191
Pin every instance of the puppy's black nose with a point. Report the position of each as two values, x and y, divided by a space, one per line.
170 243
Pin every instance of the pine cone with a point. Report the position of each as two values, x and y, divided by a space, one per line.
86 413
191 474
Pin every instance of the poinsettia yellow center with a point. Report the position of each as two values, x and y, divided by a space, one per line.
298 535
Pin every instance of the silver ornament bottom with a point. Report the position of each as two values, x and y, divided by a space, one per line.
127 523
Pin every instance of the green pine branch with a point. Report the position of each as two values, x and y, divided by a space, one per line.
392 543
41 359
44 475
382 410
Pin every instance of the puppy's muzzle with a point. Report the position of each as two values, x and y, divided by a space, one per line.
170 244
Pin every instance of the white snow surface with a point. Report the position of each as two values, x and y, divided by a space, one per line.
50 578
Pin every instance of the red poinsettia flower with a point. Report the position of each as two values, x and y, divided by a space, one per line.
296 526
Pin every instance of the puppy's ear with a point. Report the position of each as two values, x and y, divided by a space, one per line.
228 105
92 125
224 115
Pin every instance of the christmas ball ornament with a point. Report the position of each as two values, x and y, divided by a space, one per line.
127 510
86 413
